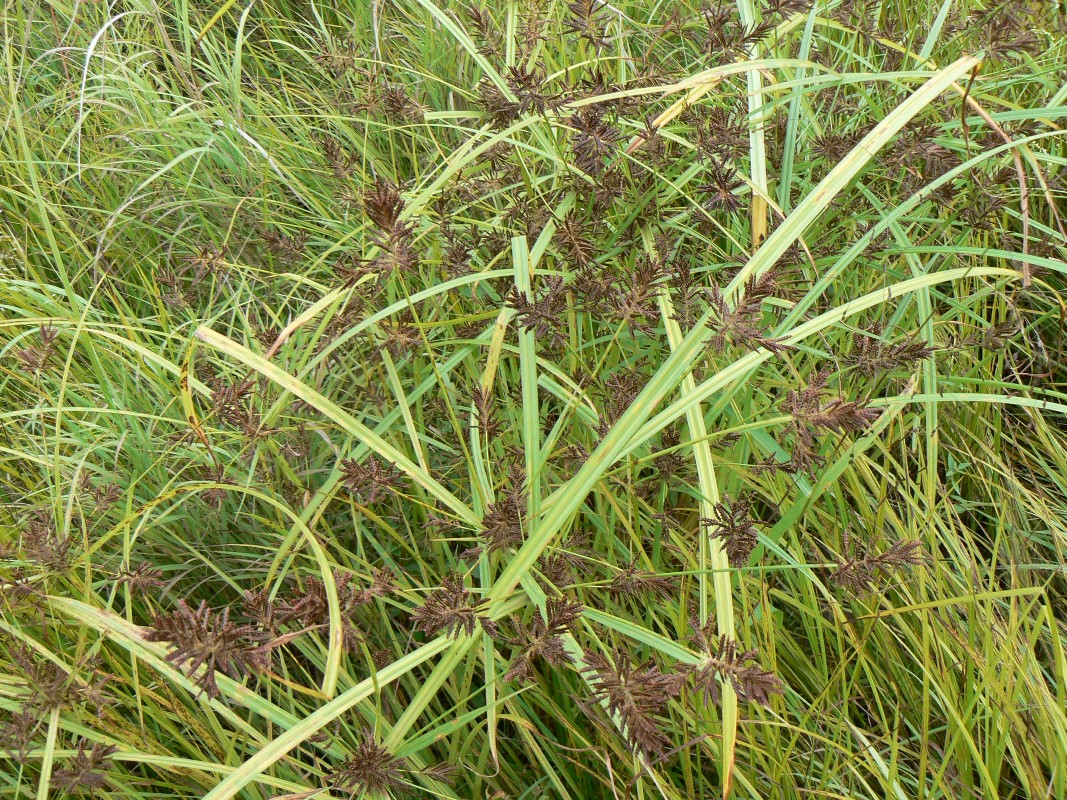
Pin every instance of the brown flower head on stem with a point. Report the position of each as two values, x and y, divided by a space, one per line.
720 186
594 139
669 462
498 107
503 521
400 336
733 525
724 38
1006 30
86 771
34 359
787 8
726 661
719 136
339 161
841 416
637 694
872 356
230 403
398 105
44 543
284 246
16 737
742 325
51 686
486 418
637 583
370 480
545 316
585 21
857 570
370 769
383 205
311 606
811 417
337 57
143 578
216 495
621 388
635 300
208 260
449 609
574 238
544 638
528 85
206 638
482 24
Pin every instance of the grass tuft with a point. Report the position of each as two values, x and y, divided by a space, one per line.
552 399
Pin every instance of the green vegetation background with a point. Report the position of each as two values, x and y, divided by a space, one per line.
536 399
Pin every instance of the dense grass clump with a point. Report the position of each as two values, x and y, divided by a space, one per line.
544 399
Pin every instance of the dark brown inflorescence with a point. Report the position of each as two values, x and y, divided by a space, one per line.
206 638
